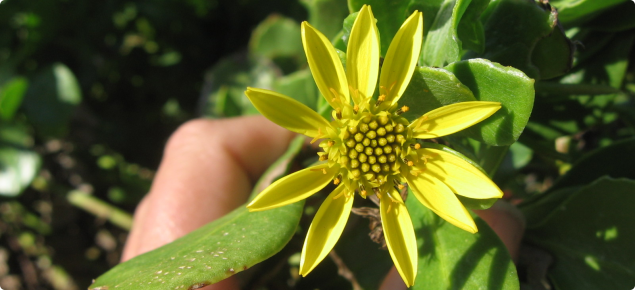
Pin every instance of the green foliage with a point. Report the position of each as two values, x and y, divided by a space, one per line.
19 163
493 82
589 250
478 261
51 99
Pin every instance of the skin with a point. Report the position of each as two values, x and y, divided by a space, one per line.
206 158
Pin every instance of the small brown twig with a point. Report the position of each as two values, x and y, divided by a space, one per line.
344 271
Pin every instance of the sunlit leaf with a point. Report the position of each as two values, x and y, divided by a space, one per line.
524 35
51 99
590 235
19 164
11 94
451 258
492 82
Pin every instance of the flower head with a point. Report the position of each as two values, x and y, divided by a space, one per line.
368 147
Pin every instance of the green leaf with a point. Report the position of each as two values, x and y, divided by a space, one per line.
429 8
300 86
18 163
493 82
215 251
227 81
389 14
615 160
51 99
618 18
432 88
570 11
451 258
326 15
553 55
277 36
607 65
517 31
470 30
11 94
517 157
442 45
590 235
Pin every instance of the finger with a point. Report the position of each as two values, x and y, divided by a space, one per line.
393 281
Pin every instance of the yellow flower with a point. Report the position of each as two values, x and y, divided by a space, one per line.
368 147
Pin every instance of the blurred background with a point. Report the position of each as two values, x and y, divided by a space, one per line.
89 93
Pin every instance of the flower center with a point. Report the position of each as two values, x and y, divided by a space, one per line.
373 147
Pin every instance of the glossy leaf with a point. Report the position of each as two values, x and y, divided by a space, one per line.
590 235
618 18
573 10
517 31
18 163
51 99
277 36
215 251
226 82
451 258
470 30
442 45
431 88
300 86
429 8
11 94
615 161
493 82
326 15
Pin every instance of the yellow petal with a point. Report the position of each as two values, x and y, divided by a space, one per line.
400 236
362 55
438 197
460 176
325 66
287 112
293 187
401 58
326 228
452 118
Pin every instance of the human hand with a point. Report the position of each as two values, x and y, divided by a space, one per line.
204 159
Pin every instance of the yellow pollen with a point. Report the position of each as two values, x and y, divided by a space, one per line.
331 143
410 163
416 146
323 170
405 109
336 181
381 98
356 109
400 186
363 193
318 136
323 157
335 95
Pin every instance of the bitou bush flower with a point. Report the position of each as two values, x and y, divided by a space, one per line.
368 147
